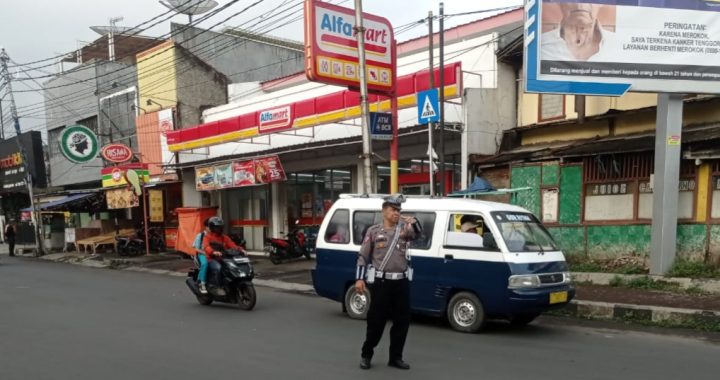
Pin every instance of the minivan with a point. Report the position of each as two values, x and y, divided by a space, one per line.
506 267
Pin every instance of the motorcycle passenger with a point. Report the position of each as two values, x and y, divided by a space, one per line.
216 235
201 257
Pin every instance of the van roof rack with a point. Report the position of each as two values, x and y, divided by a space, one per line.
381 196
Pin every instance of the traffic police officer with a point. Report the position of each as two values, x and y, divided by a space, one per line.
383 264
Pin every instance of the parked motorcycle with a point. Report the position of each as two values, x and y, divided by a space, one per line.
134 245
294 245
236 275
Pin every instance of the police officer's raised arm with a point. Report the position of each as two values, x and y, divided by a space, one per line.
363 260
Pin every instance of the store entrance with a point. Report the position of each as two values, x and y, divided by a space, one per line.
246 212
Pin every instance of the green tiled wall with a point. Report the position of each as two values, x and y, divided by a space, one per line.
570 194
527 176
691 240
570 239
550 174
613 241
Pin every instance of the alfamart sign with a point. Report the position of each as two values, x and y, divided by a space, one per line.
332 48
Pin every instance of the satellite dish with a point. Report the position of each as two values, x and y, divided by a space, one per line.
105 30
190 7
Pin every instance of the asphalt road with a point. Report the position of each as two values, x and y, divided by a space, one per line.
59 321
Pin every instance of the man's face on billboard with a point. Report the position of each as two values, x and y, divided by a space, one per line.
578 24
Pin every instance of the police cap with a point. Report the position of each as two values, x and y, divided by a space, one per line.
395 201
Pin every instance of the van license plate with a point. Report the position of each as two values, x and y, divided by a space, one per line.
558 297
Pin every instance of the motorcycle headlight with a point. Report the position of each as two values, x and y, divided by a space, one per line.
523 281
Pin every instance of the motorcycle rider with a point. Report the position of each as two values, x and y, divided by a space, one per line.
201 257
216 235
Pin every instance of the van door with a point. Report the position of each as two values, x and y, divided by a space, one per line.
425 262
471 262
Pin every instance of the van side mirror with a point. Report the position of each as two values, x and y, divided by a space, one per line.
489 240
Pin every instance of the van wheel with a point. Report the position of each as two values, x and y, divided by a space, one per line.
357 304
466 313
522 319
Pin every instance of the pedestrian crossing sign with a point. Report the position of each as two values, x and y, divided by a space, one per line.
428 106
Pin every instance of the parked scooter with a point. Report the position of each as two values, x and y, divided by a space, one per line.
294 245
134 245
236 275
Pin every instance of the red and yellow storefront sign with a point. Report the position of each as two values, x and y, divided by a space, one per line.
326 109
114 176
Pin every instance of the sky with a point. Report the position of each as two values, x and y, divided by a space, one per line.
32 30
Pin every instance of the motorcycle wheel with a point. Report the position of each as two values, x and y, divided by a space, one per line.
275 258
204 300
246 297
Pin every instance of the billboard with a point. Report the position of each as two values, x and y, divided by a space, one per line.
331 49
258 171
648 45
12 167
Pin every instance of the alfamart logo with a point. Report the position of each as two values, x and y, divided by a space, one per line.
273 119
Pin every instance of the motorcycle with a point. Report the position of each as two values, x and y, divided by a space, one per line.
134 245
294 245
236 275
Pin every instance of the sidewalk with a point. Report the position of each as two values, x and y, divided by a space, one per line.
697 306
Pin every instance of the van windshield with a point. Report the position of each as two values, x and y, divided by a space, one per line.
522 232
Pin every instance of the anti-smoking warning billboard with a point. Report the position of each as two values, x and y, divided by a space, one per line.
651 45
331 48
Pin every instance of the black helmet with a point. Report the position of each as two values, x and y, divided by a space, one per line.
216 224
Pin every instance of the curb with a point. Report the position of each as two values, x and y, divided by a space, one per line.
655 315
707 285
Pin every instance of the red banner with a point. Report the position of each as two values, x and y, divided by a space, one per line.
243 173
269 169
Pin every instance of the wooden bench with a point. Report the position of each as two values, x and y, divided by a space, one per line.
94 242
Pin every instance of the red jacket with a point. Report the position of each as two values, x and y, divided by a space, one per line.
212 237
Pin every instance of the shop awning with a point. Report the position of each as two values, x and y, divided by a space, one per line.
69 203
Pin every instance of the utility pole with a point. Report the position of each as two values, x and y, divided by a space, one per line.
5 73
364 108
2 123
442 100
432 85
111 37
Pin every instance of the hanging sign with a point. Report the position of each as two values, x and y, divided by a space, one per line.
79 144
331 47
117 153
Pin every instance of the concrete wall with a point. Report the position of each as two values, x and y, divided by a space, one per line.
240 59
199 87
118 93
69 98
157 77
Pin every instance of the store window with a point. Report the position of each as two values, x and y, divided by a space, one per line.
619 187
310 195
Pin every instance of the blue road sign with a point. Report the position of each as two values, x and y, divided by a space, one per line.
381 126
428 106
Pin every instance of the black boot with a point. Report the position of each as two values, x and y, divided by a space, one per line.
398 363
365 363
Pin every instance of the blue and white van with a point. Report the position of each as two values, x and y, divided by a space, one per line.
508 267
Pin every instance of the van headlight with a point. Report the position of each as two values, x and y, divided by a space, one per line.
523 281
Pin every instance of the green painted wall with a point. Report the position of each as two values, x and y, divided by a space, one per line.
527 176
714 245
550 174
614 241
570 239
570 194
691 240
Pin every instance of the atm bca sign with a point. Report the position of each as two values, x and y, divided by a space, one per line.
332 49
